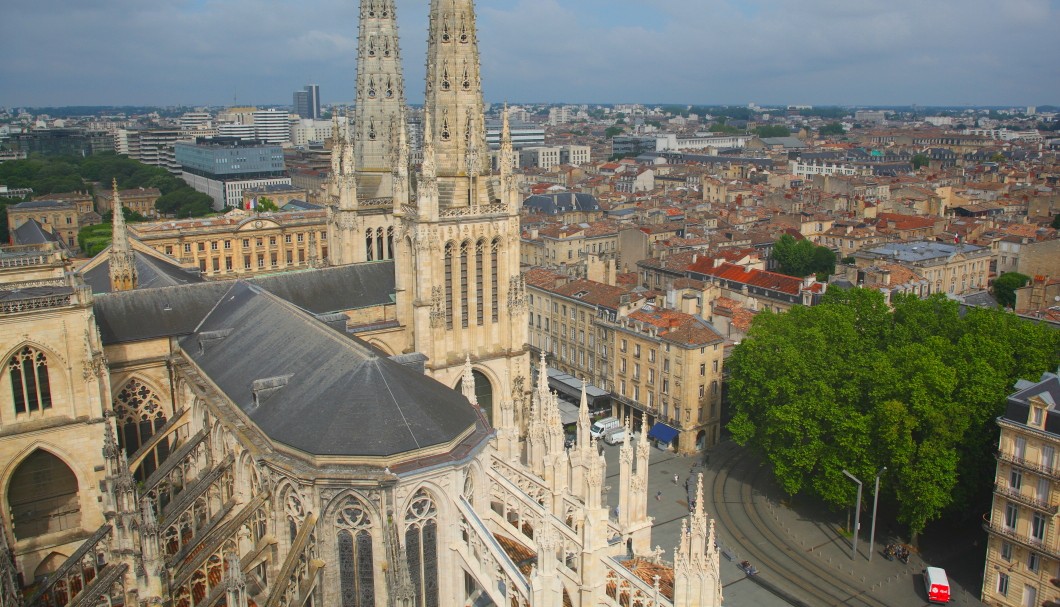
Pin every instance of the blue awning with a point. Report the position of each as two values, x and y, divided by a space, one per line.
662 433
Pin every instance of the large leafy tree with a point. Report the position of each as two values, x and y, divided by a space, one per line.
853 384
802 257
1005 287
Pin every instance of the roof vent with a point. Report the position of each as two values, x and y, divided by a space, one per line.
264 388
210 337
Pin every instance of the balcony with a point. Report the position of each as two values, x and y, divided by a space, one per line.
1014 495
1048 471
1023 540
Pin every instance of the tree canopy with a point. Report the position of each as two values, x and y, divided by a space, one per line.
802 257
920 160
832 128
1005 287
853 385
775 130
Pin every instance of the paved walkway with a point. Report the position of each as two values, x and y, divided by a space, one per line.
802 556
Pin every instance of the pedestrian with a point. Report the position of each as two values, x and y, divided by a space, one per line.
675 478
658 496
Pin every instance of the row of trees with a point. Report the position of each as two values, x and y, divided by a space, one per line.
851 384
801 257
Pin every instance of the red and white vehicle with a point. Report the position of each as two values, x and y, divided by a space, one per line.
936 585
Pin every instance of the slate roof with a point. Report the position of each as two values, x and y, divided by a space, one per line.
552 204
151 272
312 389
32 232
44 204
173 311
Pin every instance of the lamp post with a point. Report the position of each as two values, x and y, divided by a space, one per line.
875 500
857 516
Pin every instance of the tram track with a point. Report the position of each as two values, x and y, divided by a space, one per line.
775 555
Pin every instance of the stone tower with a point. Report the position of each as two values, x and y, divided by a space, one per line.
380 98
454 100
457 267
366 162
121 261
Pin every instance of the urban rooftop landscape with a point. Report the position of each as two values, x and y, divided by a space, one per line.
534 304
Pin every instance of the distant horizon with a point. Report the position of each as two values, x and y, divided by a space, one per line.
946 53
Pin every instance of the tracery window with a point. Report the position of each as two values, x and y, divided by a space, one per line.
480 302
30 385
421 547
368 247
379 244
493 280
356 570
139 414
464 287
449 285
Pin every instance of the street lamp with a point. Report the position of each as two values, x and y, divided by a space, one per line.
875 499
857 515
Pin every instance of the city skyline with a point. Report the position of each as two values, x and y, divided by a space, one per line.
821 52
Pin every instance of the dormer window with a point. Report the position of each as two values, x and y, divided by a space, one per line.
1037 416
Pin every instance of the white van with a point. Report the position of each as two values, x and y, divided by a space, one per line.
603 425
615 435
936 585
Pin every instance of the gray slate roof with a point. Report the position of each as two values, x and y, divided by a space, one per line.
324 394
32 232
174 311
151 272
562 202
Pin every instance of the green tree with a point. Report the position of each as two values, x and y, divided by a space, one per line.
852 384
184 202
802 257
93 239
920 161
266 205
832 129
1005 287
774 130
613 131
1056 222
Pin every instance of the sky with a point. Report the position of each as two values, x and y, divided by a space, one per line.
819 52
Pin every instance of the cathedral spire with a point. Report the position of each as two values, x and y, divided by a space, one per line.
380 97
454 98
122 263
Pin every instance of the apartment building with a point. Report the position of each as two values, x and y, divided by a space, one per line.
667 374
141 200
950 268
1023 547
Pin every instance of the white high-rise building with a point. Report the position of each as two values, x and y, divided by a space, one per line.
272 126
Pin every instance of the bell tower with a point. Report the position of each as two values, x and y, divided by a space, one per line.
457 270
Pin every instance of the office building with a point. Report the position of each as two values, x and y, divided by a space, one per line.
307 102
223 168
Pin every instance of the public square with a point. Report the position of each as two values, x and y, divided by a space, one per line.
801 556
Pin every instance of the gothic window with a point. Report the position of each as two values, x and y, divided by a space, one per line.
493 279
371 88
469 483
371 126
139 414
386 53
445 76
295 512
356 571
465 82
448 285
467 133
42 495
368 247
463 31
445 124
371 9
390 243
483 392
480 302
389 87
30 386
445 29
371 44
464 286
379 244
421 547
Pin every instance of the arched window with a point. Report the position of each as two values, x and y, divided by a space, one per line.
379 244
480 301
449 285
390 243
43 496
294 512
356 570
421 547
368 248
495 310
464 287
139 414
30 386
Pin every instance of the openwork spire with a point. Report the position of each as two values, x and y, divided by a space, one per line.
121 261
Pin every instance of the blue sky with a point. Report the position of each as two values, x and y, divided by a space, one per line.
823 52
